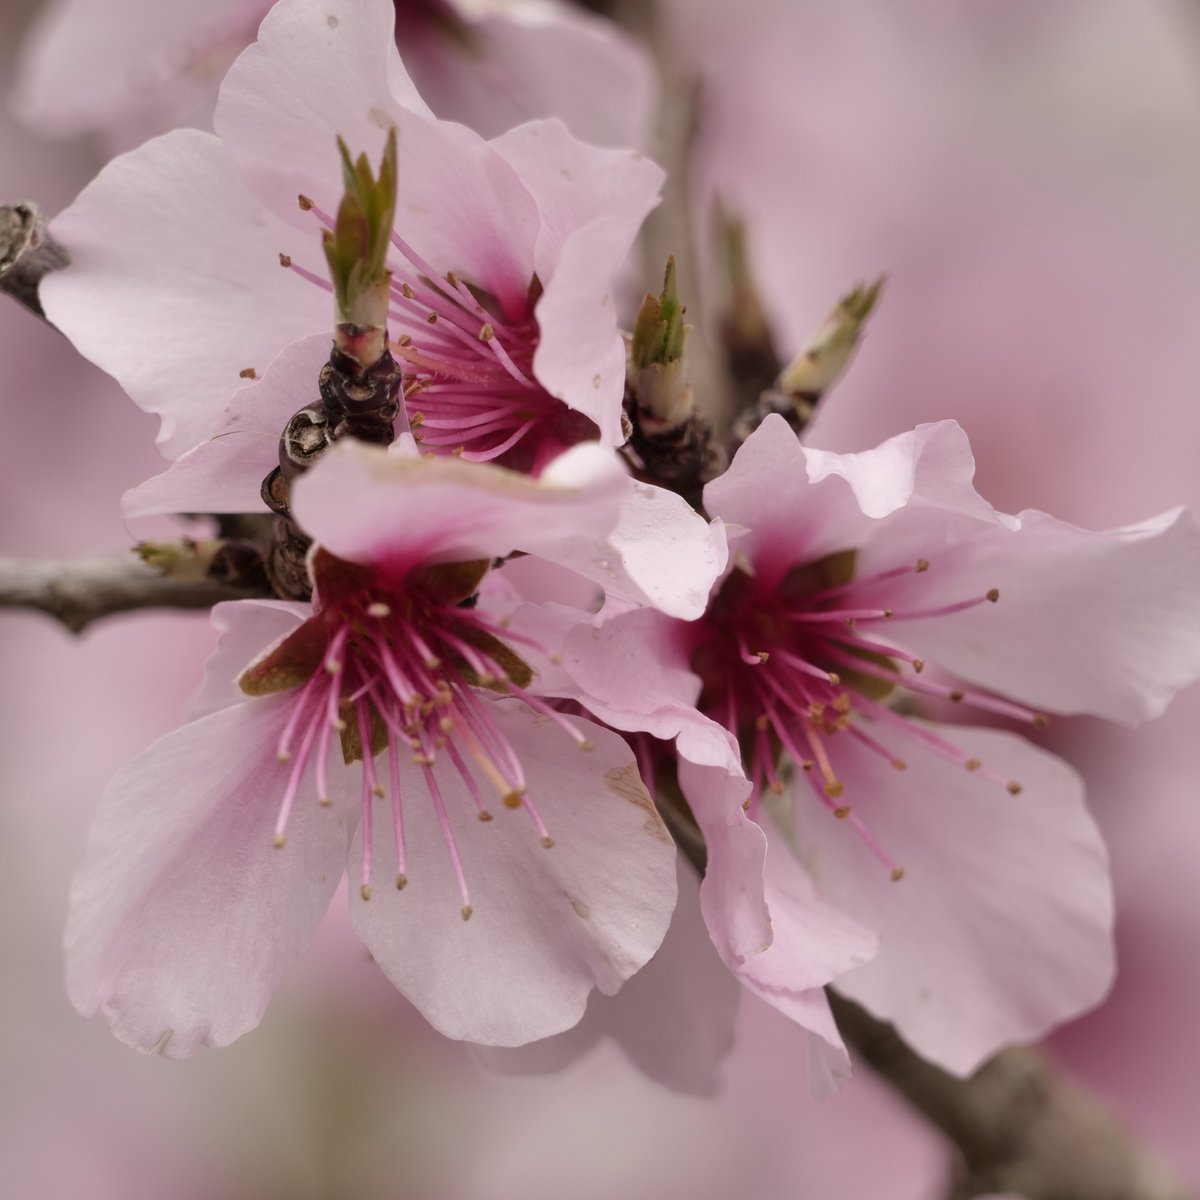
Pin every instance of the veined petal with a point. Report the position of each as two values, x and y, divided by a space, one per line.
247 628
174 285
655 1018
1103 623
225 473
392 511
548 924
460 204
592 203
184 915
1002 924
662 553
799 504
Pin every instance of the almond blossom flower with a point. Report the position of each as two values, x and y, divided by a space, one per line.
969 851
507 859
504 251
132 70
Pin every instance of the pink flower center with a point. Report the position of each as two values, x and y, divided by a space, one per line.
469 388
403 674
792 668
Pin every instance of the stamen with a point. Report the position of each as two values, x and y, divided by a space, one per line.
439 806
397 812
369 791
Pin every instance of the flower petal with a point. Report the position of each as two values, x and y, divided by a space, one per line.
393 510
225 473
460 204
1002 924
800 504
548 924
247 628
662 553
1103 623
184 915
174 285
520 61
674 1019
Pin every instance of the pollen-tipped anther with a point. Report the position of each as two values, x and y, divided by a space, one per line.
547 842
897 874
466 910
993 594
1014 788
280 841
365 891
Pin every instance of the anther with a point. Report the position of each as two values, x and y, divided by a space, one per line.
973 764
587 744
897 874
305 203
1040 720
365 891
1014 788
377 608
285 260
842 813
378 792
922 566
325 802
401 882
284 756
918 665
834 679
957 695
280 841
432 318
512 799
486 333
484 815
834 788
887 612
467 910
408 292
548 842
899 764
338 725
993 595
404 341
247 373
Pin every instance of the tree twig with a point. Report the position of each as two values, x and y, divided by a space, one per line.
27 253
1018 1127
80 591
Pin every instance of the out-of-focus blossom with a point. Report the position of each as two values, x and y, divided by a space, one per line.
851 573
505 251
132 71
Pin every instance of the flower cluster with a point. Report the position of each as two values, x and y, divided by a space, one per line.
490 672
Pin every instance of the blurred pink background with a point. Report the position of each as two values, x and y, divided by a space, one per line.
1029 176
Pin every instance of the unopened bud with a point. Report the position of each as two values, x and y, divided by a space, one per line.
356 250
657 365
824 360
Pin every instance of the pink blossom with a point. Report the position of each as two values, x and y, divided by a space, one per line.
850 574
504 250
133 70
211 861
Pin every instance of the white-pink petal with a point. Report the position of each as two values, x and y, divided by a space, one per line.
247 630
674 1019
224 474
184 915
1002 924
548 925
394 511
174 285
